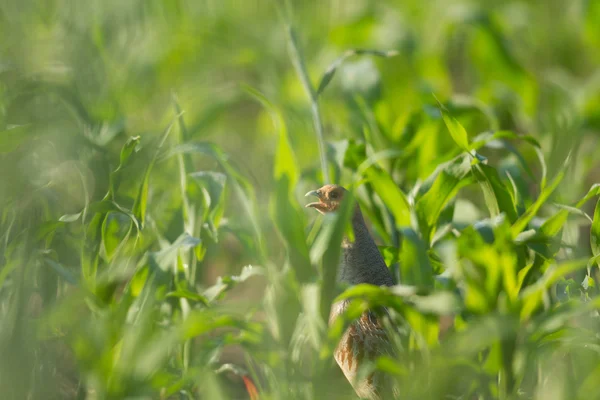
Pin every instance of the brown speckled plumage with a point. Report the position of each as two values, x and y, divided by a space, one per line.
365 339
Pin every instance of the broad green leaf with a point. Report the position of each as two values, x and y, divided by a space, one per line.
415 268
355 154
490 273
355 159
70 217
115 229
444 187
285 163
204 320
391 366
285 211
437 303
390 254
381 295
497 196
524 220
391 195
457 131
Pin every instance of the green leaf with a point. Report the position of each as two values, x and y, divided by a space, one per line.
457 131
385 187
391 366
547 233
497 196
64 272
285 163
487 137
595 231
355 154
391 254
162 267
438 303
415 268
168 255
70 217
90 251
381 295
225 283
490 274
115 230
187 294
212 188
532 295
447 182
331 70
593 192
115 177
542 160
130 146
285 212
141 201
531 212
289 221
242 188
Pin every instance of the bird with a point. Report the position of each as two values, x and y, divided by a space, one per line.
361 262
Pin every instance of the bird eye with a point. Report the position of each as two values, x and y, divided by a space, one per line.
333 195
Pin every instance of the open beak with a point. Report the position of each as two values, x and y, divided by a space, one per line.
318 205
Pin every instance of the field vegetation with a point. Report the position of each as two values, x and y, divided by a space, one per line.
154 155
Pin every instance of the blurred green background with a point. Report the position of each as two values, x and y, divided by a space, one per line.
138 165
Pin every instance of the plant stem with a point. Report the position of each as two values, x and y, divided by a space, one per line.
300 66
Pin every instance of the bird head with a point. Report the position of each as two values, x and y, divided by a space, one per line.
330 197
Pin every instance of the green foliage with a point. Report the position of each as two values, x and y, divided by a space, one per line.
153 158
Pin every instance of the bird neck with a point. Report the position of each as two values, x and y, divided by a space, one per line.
361 260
